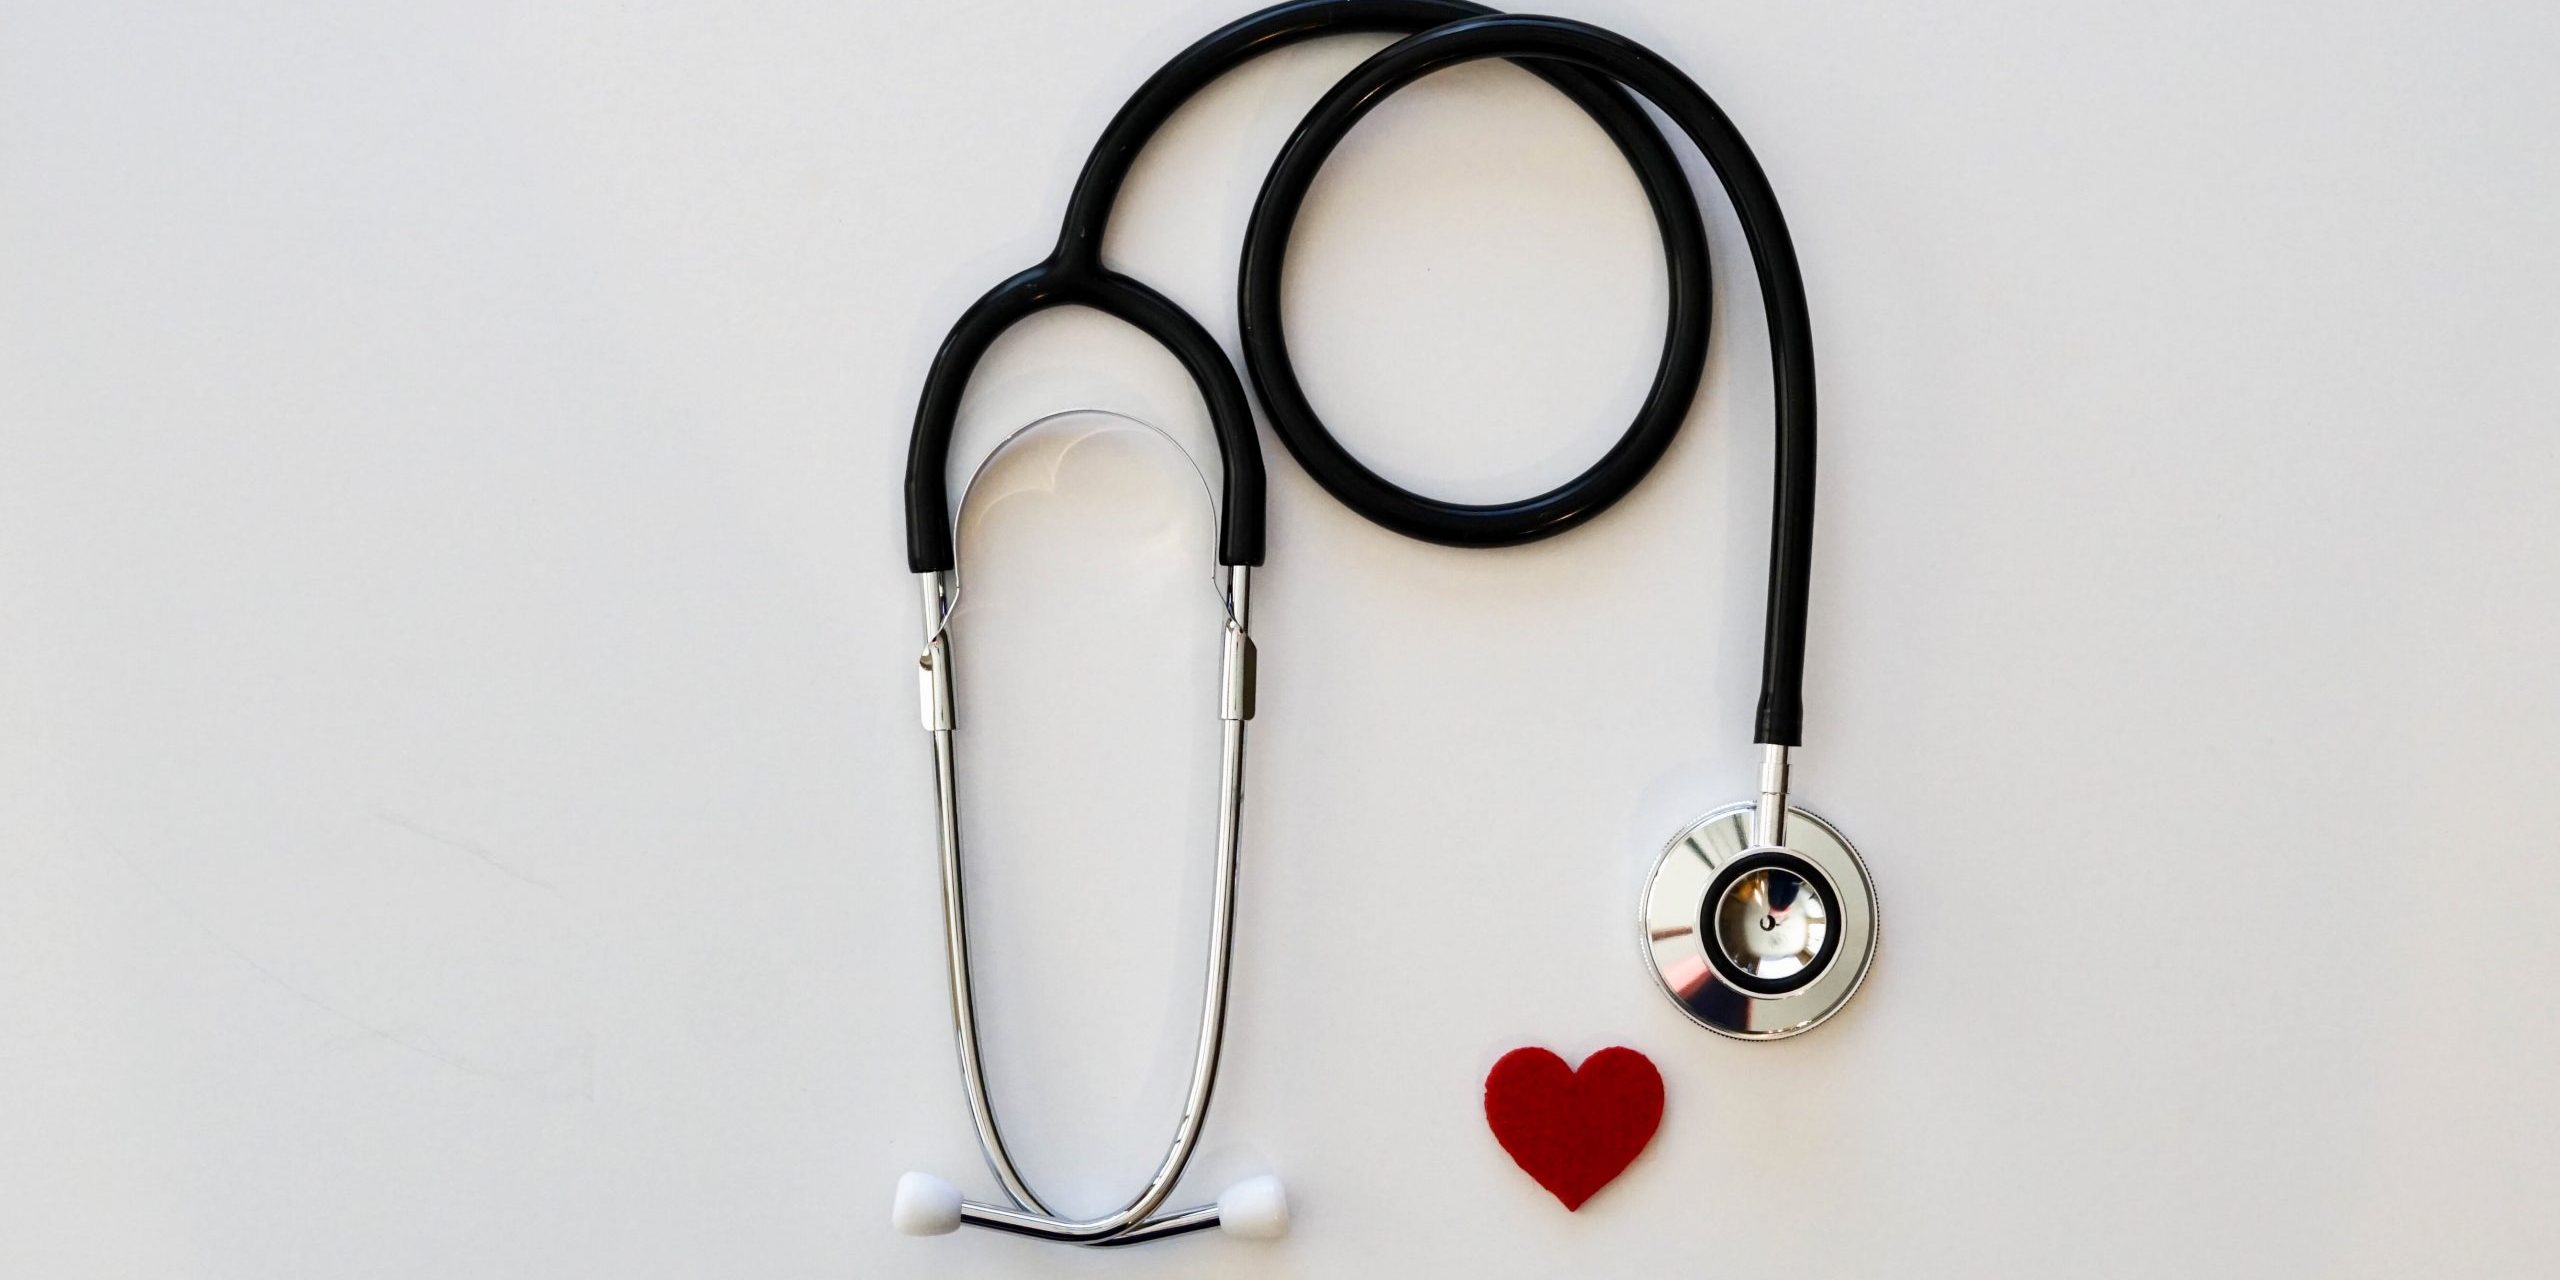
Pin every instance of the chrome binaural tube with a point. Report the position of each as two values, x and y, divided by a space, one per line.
1139 1219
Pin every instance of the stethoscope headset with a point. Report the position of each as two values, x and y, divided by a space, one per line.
1759 920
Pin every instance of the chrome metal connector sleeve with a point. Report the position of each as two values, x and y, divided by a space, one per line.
1769 814
1235 667
933 676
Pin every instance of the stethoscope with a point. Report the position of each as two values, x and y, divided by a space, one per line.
1759 920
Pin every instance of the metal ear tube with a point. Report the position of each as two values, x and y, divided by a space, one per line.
926 1205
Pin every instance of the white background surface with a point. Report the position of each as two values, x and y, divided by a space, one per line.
460 801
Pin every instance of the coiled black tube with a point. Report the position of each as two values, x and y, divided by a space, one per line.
1588 65
1553 41
1073 273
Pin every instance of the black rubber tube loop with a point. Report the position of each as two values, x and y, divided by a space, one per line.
1060 283
1553 41
1073 274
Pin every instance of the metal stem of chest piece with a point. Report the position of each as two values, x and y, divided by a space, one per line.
1769 813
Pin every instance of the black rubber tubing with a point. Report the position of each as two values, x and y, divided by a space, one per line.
1554 41
1073 274
1582 62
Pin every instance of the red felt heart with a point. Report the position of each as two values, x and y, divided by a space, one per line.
1573 1130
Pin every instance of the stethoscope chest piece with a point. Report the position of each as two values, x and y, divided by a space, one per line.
1759 942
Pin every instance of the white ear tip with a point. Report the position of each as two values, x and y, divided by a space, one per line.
1256 1209
926 1206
